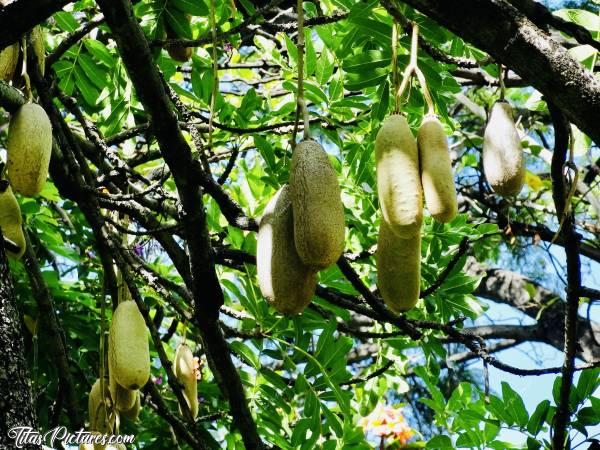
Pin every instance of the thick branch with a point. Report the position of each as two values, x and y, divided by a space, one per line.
208 296
16 404
543 17
20 16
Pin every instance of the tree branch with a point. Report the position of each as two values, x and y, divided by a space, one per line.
50 326
542 17
208 296
559 193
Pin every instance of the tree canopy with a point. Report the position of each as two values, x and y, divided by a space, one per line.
173 125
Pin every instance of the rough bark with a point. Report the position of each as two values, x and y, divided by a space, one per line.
21 16
16 404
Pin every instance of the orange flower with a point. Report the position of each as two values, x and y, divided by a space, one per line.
386 421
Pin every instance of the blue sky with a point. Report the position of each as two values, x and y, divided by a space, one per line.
533 355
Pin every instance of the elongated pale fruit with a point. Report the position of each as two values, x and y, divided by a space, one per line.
122 398
38 38
134 412
128 346
183 368
398 177
9 57
285 281
503 162
436 170
101 419
398 269
11 221
317 205
29 149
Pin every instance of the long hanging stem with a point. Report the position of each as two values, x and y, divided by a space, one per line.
24 74
408 72
501 81
215 67
300 95
103 373
425 89
569 165
413 68
414 44
395 80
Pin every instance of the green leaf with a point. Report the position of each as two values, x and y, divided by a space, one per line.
537 418
439 442
556 390
588 416
514 405
379 31
266 150
581 17
532 444
94 72
99 51
85 86
497 408
179 23
468 439
292 50
314 93
310 57
333 421
381 106
325 67
243 351
192 7
367 61
66 21
588 382
66 73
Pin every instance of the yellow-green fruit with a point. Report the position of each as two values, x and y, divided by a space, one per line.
99 409
317 205
29 149
436 170
398 269
284 280
183 368
134 412
503 162
398 178
180 53
9 57
38 38
122 398
11 221
128 346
